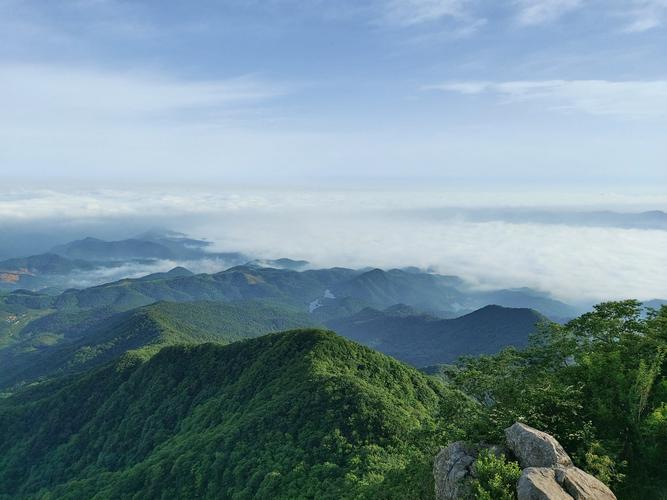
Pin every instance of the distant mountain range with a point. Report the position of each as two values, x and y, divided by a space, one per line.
66 264
321 291
423 340
652 219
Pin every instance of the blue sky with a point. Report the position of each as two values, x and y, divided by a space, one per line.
477 92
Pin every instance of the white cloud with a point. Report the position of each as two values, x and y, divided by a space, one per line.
646 15
75 93
412 12
380 228
532 12
595 97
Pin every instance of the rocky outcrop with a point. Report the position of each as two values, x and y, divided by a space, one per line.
452 470
535 448
539 483
548 471
581 485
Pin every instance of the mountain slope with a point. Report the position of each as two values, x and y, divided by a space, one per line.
302 414
423 340
90 338
38 270
431 292
236 283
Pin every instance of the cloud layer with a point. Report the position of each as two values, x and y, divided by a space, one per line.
595 97
380 228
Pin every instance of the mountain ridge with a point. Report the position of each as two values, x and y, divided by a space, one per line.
297 413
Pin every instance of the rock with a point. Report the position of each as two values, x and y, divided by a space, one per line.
535 448
452 471
548 472
582 486
539 483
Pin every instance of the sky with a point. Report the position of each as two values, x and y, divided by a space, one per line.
346 132
519 93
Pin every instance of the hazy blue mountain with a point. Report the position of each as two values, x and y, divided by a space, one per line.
38 271
430 292
531 299
96 249
152 245
653 219
283 263
655 303
421 339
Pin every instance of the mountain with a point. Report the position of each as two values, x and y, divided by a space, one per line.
284 263
96 249
651 220
153 245
238 283
37 270
426 291
423 340
526 298
80 340
326 293
655 303
301 414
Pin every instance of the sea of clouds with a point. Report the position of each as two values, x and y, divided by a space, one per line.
427 227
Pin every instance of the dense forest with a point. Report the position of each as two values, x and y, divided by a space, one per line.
599 384
308 414
302 414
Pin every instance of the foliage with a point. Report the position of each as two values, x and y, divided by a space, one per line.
496 477
92 337
302 414
598 384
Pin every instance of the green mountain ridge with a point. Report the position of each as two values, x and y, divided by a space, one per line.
301 414
92 338
440 295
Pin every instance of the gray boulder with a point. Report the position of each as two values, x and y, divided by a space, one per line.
535 448
539 483
548 472
452 471
582 486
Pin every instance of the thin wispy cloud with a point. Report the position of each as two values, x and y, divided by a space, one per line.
646 15
70 92
532 12
595 97
413 12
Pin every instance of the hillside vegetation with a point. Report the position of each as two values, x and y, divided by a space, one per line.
302 414
90 338
599 384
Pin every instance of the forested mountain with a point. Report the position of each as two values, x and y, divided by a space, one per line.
70 264
422 340
598 383
330 290
66 342
291 415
